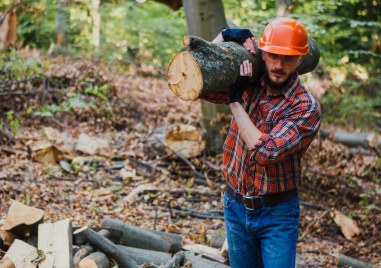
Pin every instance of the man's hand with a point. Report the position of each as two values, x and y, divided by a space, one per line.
240 85
236 35
249 45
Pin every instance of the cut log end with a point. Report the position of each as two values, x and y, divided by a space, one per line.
185 77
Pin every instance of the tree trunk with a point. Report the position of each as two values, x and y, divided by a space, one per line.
62 22
96 24
207 68
205 18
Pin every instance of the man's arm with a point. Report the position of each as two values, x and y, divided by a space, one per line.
249 132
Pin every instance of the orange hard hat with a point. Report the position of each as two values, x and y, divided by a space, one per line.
284 36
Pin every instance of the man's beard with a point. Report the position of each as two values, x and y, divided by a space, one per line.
277 85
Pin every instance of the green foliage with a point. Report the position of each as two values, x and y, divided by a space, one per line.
13 121
15 68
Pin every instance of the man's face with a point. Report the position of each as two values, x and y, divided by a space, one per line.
279 68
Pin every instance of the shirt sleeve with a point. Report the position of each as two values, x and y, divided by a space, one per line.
292 134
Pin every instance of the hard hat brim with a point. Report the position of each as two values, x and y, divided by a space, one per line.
284 50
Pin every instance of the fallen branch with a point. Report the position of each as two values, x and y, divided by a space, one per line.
354 263
200 179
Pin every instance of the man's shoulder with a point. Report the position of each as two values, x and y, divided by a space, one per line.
304 97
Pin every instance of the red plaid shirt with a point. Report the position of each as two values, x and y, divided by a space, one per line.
289 123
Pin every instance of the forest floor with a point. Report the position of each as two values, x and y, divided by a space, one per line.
87 188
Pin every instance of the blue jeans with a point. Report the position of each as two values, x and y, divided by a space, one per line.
263 237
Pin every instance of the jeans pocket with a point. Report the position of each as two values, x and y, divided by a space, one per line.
227 200
289 208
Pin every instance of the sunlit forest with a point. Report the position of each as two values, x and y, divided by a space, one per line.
91 134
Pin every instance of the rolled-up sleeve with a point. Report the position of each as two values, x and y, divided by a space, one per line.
292 134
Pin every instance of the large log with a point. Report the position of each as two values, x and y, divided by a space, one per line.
137 237
107 247
213 67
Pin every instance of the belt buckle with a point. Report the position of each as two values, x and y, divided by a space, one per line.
251 198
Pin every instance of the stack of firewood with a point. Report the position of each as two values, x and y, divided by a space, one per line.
28 241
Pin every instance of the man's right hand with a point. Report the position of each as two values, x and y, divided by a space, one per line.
240 85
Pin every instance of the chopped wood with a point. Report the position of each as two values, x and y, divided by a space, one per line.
209 252
107 247
176 239
6 263
216 239
209 67
137 237
95 260
86 249
22 254
200 262
176 261
7 237
55 239
348 226
145 256
83 252
23 220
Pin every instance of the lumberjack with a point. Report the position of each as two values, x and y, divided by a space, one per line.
275 119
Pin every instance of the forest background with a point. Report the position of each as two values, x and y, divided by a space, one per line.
99 67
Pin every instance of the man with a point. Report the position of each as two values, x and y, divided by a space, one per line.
273 124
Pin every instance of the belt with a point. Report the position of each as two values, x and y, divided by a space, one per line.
260 201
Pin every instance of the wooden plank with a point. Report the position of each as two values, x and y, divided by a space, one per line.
55 239
22 254
45 243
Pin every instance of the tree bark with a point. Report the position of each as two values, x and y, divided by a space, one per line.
354 263
207 68
107 247
95 260
137 237
176 261
142 256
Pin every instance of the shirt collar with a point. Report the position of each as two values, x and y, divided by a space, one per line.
290 90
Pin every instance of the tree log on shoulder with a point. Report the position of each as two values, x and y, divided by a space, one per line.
214 67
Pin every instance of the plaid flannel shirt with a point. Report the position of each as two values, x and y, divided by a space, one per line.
289 123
